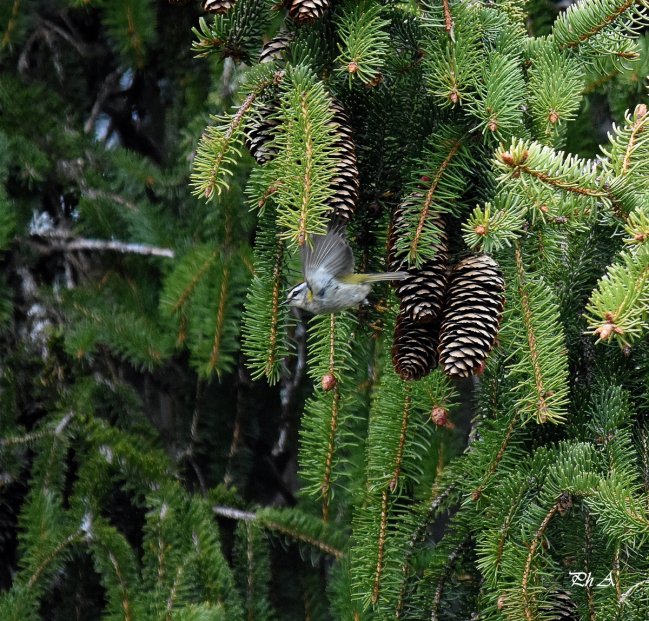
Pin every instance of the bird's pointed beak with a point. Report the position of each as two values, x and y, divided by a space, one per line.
285 302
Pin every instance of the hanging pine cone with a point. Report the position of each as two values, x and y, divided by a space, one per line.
306 11
276 48
414 349
261 128
217 6
422 293
472 315
345 181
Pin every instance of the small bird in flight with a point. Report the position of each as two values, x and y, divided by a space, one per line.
330 284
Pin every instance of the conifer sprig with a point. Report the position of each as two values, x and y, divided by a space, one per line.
555 86
542 165
323 433
585 20
617 308
496 225
450 59
238 34
532 317
365 42
302 173
500 96
265 321
439 187
214 156
626 161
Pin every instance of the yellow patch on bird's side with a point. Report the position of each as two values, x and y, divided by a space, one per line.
309 296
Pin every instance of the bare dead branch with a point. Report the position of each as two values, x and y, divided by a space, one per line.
70 245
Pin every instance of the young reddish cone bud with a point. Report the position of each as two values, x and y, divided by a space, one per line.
480 230
352 67
507 158
439 416
604 331
501 602
610 317
640 112
553 117
328 382
639 237
544 208
425 179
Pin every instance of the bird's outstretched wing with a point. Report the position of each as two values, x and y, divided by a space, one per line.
331 253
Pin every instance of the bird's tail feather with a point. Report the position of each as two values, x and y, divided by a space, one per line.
381 276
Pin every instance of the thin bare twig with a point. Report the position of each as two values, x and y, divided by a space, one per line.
60 245
290 385
106 90
63 423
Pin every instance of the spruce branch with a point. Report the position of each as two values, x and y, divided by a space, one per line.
500 94
529 595
265 320
439 186
626 161
74 537
616 308
365 42
290 522
11 24
555 91
542 365
381 546
487 231
329 354
475 495
304 168
213 158
532 160
446 572
238 34
586 19
31 437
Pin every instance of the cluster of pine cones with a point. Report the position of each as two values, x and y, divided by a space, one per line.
446 318
302 11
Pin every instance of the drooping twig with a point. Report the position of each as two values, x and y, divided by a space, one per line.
11 24
220 320
452 559
248 516
478 492
382 534
587 552
530 602
50 557
605 22
531 337
422 524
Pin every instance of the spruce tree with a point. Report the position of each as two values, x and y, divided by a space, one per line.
177 444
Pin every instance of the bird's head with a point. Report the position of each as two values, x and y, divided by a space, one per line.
299 296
